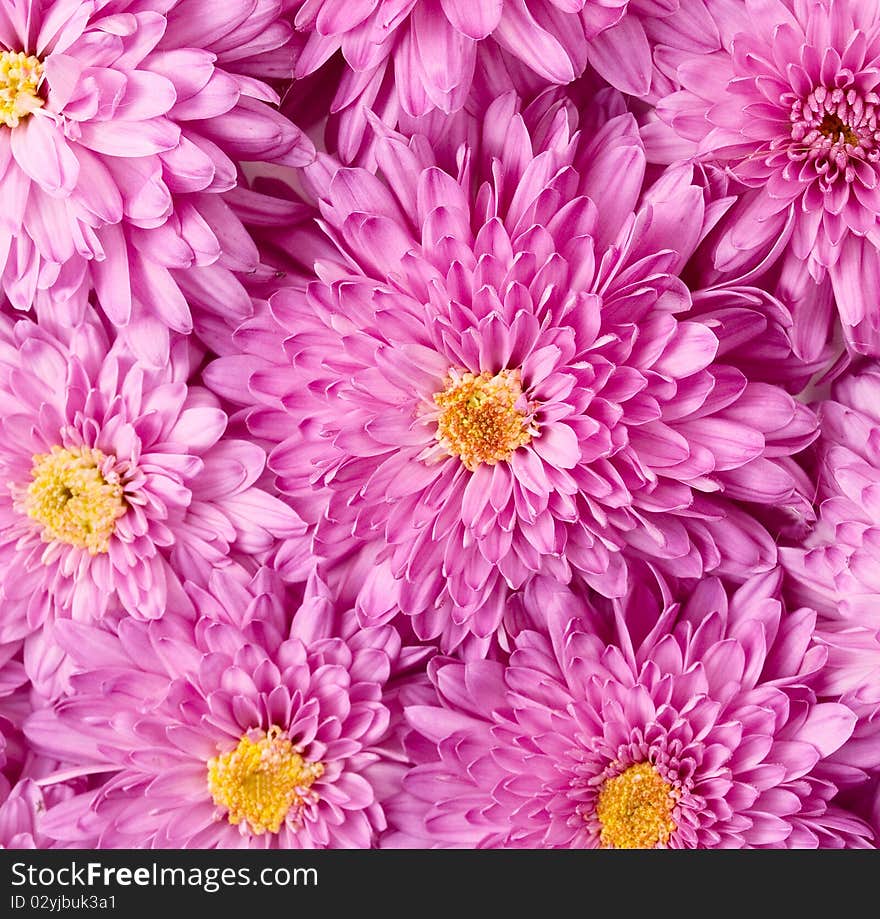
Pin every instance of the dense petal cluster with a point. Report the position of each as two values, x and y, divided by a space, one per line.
121 127
647 723
837 567
508 385
790 105
439 423
406 59
115 479
210 700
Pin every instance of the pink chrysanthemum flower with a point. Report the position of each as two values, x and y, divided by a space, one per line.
119 127
215 736
505 375
405 59
791 105
837 567
115 480
645 723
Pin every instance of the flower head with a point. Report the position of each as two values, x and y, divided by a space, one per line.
790 105
272 735
115 479
505 374
836 567
649 722
120 134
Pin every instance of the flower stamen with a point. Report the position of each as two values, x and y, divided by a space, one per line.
483 417
20 76
835 128
74 498
262 781
635 809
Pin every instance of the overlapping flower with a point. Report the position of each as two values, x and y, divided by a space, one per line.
267 734
789 103
120 128
115 479
651 723
497 466
836 567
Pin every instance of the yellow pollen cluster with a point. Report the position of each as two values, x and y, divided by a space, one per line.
20 75
479 420
261 780
73 501
635 809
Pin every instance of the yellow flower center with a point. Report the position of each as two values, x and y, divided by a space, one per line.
483 418
635 809
72 499
262 780
20 75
